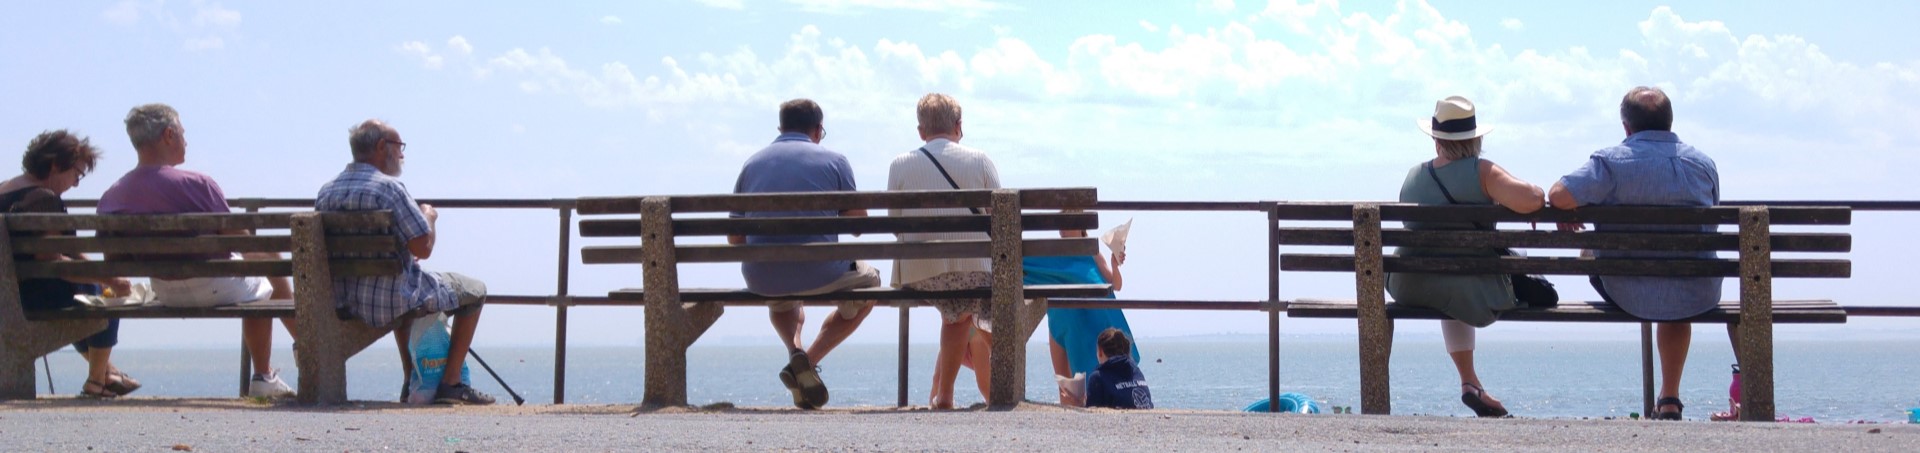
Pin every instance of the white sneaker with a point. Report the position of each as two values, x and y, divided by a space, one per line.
271 387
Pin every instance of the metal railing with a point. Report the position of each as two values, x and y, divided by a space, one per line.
561 299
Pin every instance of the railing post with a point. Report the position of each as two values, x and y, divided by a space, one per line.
1273 307
904 307
246 356
561 294
1007 385
1376 331
1755 348
1646 368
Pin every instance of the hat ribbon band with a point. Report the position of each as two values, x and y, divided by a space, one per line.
1454 125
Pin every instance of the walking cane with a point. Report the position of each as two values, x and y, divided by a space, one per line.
49 366
517 400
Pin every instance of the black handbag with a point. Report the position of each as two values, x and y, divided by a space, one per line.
1532 291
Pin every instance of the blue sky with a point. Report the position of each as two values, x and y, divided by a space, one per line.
1214 100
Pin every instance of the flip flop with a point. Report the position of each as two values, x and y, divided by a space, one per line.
1668 401
103 392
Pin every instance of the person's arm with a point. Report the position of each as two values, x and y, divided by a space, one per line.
1096 397
1111 273
1561 198
1509 191
422 246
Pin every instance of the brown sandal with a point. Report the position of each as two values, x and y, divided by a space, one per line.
94 389
123 385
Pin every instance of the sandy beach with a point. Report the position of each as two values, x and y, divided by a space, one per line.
141 424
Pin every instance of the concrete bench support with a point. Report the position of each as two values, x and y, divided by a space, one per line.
672 326
21 341
325 341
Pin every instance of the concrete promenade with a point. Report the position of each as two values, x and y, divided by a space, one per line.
141 424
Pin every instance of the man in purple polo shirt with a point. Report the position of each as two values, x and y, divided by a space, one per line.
156 186
795 162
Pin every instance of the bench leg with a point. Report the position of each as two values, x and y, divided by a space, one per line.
322 352
671 329
26 341
1376 350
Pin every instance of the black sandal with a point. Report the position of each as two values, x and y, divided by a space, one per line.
122 386
1480 406
1668 401
96 390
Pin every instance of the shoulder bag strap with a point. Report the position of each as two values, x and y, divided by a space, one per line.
943 173
1444 192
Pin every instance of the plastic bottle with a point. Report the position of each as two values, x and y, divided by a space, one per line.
1733 390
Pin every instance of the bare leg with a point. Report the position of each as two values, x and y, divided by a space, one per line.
258 334
1673 339
98 367
400 332
1061 368
1733 336
787 325
834 331
981 348
283 290
946 365
463 326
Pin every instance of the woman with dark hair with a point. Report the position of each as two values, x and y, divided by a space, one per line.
54 163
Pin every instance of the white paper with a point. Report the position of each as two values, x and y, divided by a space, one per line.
1076 385
1116 238
142 295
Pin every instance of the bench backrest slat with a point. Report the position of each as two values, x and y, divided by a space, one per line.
1805 268
194 269
838 225
839 201
839 251
197 245
1782 242
189 222
1645 215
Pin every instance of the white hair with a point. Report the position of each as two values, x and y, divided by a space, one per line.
366 136
148 123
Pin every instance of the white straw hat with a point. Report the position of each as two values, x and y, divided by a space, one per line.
1453 120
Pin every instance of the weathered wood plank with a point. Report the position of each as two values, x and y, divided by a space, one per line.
1794 268
193 269
742 295
263 309
837 225
189 222
1649 215
197 244
1784 242
1794 311
838 251
1042 198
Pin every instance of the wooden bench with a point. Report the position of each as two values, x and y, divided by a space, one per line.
1756 267
320 247
675 317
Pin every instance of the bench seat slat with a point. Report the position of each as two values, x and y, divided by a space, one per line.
840 251
263 309
1782 242
191 269
1646 215
1788 312
837 225
740 295
1782 268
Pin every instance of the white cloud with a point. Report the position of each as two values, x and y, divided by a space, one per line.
724 4
458 44
420 50
126 12
610 20
966 8
212 14
1512 24
1149 27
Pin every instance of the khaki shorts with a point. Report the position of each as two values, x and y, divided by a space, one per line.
951 310
860 276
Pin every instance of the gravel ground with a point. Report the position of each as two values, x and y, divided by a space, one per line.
138 424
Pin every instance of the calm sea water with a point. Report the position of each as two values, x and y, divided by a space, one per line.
1831 381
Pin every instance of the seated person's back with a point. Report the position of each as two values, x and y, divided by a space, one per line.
1118 383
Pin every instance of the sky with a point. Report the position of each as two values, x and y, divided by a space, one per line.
1204 101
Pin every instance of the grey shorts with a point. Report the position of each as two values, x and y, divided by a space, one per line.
470 291
951 310
859 276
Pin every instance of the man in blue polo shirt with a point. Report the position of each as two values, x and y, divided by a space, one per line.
795 162
1652 167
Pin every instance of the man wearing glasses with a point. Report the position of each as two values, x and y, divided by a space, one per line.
157 186
371 183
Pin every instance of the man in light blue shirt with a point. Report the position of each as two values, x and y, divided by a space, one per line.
1651 168
795 162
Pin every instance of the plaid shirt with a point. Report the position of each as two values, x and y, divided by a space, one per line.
379 300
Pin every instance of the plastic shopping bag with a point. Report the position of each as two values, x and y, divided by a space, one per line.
428 342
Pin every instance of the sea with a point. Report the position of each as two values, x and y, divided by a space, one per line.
1837 381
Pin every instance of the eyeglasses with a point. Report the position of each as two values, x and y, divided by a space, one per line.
403 145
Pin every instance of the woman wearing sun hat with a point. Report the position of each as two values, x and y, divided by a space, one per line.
1457 175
